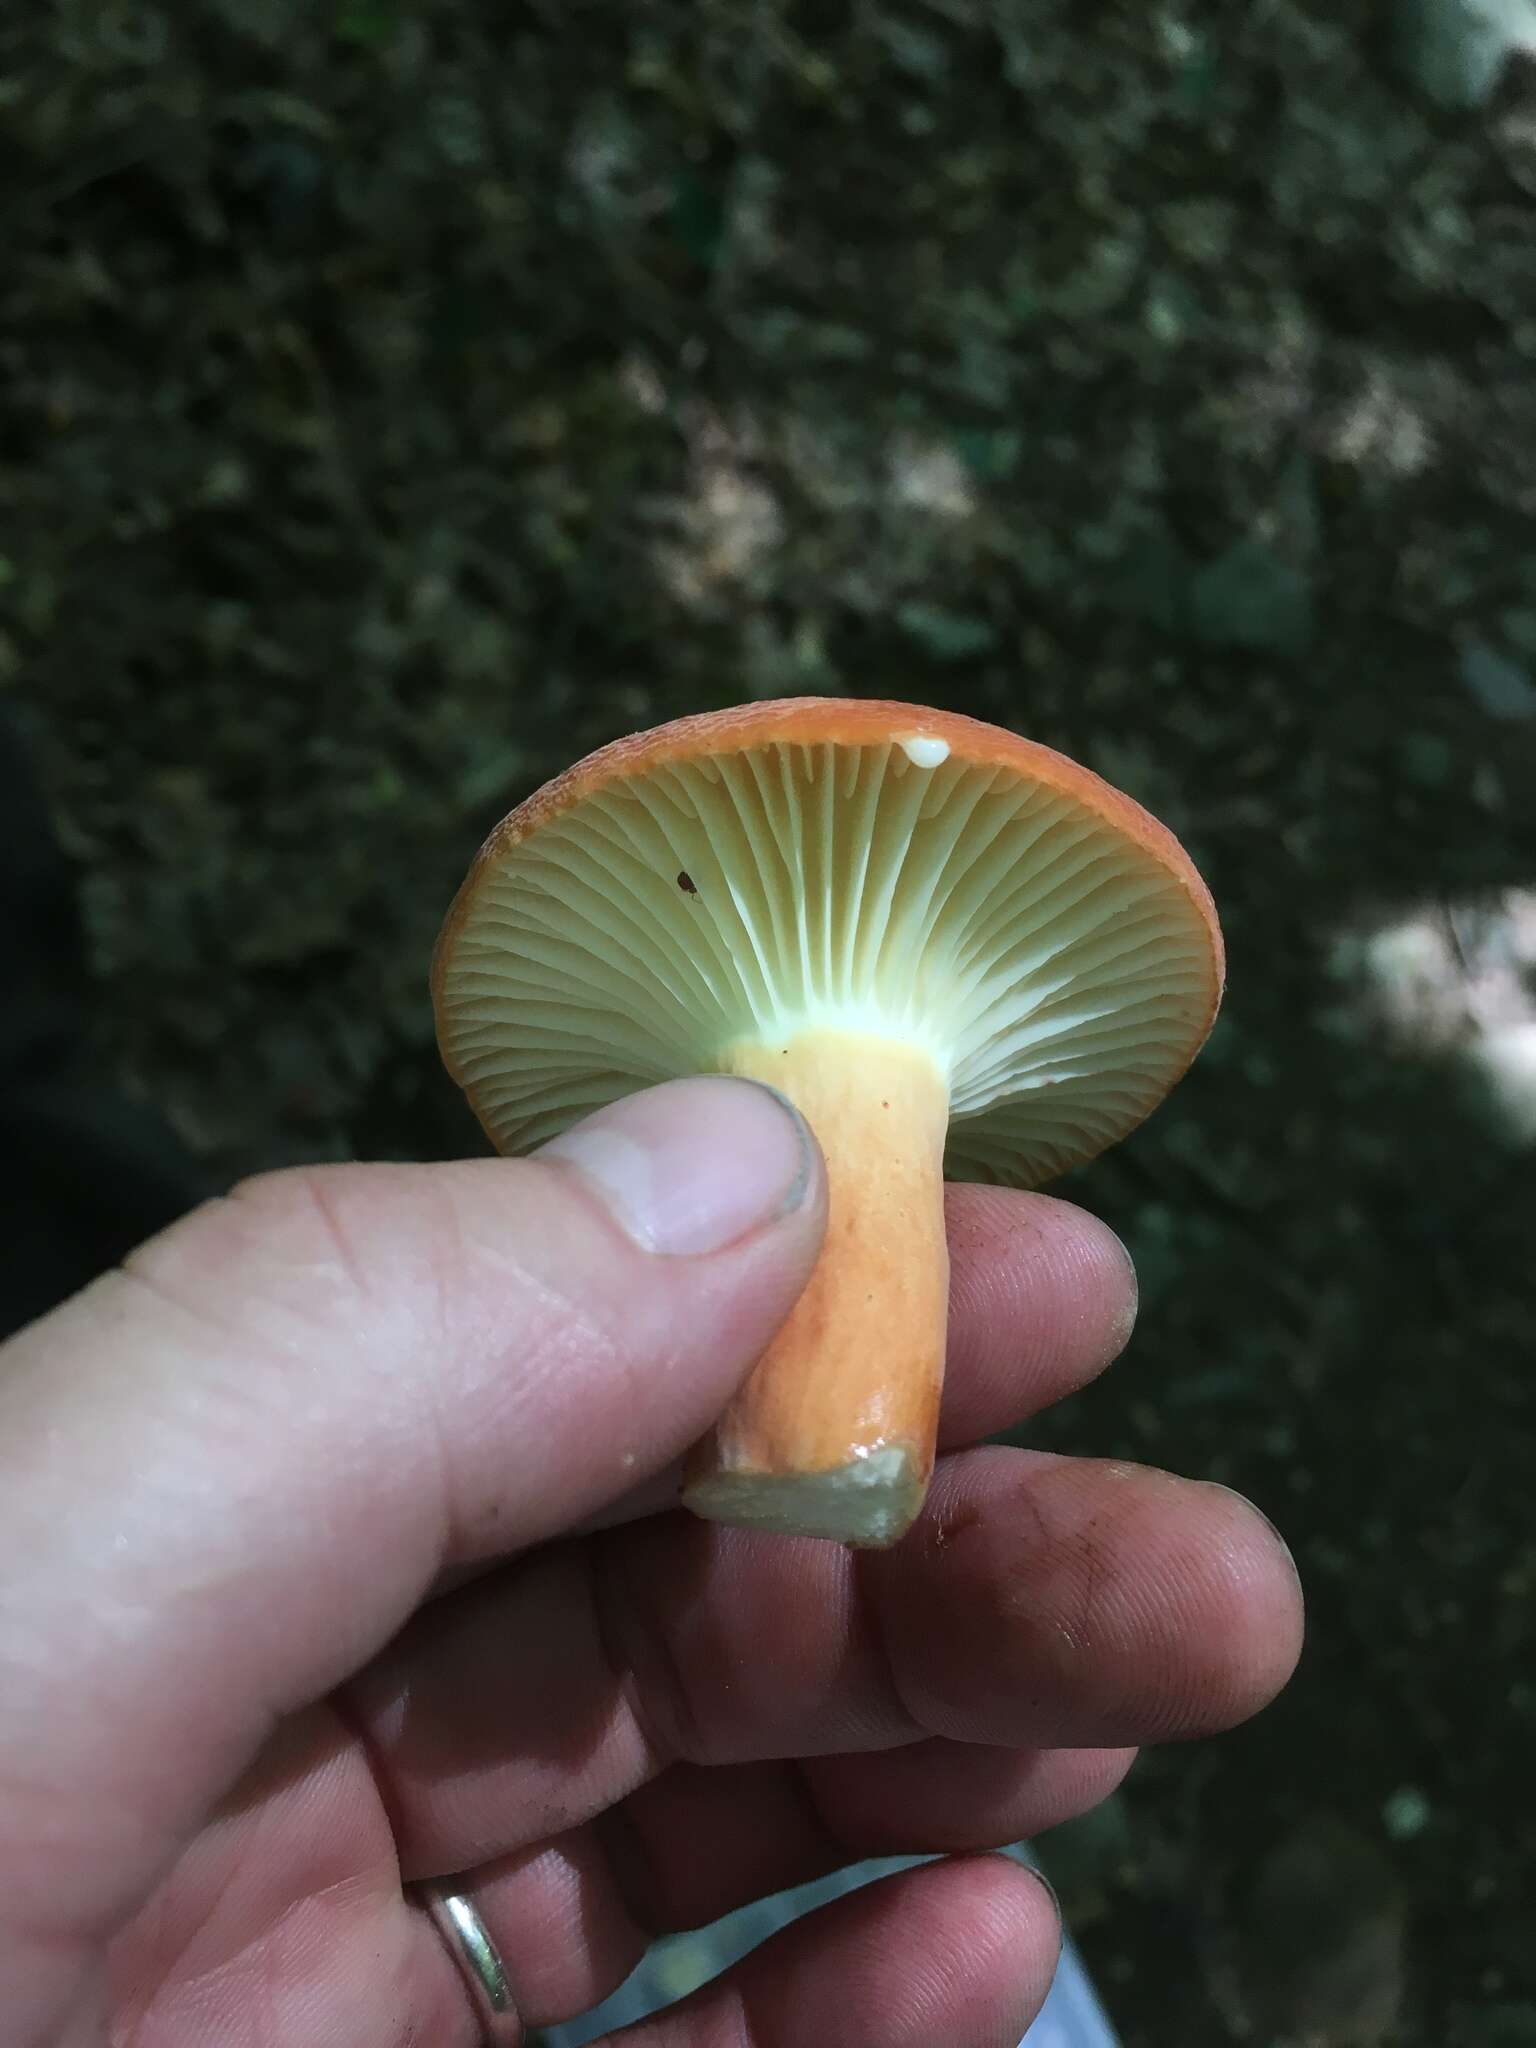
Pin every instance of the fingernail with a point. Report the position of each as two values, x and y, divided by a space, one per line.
1045 1885
1125 1322
1258 1514
693 1166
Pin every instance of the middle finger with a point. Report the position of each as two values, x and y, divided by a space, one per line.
1040 1601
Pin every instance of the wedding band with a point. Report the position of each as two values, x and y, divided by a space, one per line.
479 1963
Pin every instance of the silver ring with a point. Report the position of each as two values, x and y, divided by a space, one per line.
479 1963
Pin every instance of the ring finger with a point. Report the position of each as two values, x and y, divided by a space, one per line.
944 1956
579 1910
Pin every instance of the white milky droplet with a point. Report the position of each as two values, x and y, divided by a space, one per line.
924 752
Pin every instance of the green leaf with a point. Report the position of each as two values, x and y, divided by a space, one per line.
989 452
698 217
1454 50
1501 687
1248 597
369 22
1427 759
1196 81
947 635
1152 580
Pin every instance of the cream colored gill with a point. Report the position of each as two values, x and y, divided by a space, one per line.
1053 970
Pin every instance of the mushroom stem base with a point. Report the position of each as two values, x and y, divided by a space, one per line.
833 1434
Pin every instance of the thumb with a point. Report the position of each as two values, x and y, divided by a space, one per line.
230 1471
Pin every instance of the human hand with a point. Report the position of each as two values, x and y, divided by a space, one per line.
305 1597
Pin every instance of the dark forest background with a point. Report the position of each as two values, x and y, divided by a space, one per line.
398 399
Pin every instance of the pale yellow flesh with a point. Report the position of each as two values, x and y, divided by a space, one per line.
833 1434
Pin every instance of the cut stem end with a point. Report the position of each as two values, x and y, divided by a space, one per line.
871 1502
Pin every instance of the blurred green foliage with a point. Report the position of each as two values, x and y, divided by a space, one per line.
398 400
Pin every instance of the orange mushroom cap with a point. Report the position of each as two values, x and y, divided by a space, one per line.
816 863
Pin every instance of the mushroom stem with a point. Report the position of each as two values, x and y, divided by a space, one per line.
833 1434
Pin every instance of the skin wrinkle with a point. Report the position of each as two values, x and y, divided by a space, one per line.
854 1701
266 1392
138 1800
563 1328
869 1617
317 1188
467 1527
1081 1632
258 1214
77 1939
632 1866
949 1796
252 1960
787 1840
741 2029
838 1843
631 1734
86 2023
194 1931
380 1777
317 1775
141 1271
559 1334
449 1806
232 1876
450 1532
1019 1596
636 1362
675 1735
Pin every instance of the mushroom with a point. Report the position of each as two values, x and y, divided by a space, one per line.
954 950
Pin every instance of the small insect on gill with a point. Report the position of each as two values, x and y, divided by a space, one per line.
687 884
